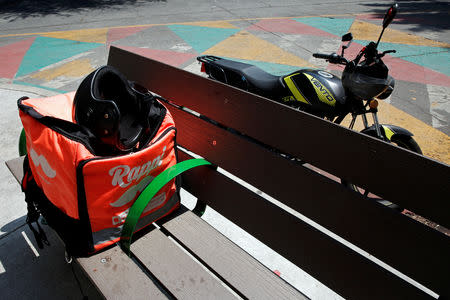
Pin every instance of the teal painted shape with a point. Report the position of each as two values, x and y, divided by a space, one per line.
435 58
46 51
334 26
202 38
272 68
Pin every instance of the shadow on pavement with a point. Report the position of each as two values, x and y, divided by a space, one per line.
11 9
420 14
28 272
13 225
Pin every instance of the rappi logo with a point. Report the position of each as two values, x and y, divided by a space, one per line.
123 175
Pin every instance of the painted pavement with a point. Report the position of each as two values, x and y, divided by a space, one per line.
59 60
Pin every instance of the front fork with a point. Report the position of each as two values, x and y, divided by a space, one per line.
366 123
377 124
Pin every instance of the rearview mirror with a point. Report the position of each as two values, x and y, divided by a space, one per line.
347 37
390 15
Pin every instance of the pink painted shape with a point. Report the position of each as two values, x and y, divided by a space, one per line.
400 69
408 71
169 57
115 34
350 54
11 57
288 26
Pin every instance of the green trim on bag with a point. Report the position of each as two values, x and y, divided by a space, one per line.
22 143
149 192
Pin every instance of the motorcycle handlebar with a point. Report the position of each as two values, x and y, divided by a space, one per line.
323 56
332 58
370 53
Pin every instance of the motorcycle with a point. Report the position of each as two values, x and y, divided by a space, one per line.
323 94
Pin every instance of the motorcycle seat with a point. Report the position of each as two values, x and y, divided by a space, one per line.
265 83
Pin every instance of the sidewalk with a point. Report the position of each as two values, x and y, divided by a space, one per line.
27 272
14 208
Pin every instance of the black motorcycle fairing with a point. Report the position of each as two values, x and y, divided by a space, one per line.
367 80
315 91
245 76
318 90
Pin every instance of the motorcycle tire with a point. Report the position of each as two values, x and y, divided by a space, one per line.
402 141
406 142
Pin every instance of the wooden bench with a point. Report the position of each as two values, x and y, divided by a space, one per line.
243 134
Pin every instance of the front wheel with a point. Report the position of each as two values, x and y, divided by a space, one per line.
402 141
406 142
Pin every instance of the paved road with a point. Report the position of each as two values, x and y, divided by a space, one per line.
49 46
53 44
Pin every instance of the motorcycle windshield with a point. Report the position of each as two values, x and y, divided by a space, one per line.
366 87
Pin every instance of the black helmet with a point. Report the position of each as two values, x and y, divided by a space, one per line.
113 110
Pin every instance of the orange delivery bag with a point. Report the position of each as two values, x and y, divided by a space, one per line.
86 197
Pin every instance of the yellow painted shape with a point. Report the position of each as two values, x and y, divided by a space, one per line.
367 31
244 45
434 143
213 24
76 68
82 35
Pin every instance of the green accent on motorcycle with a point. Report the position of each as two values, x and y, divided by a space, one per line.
388 132
293 88
288 99
322 92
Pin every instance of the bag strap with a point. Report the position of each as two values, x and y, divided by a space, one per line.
29 188
149 192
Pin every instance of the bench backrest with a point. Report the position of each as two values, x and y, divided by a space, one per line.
259 125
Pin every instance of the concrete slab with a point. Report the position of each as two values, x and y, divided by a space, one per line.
27 272
12 204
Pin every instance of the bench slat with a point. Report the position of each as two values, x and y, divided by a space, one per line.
232 263
360 221
338 267
116 276
332 148
16 167
176 270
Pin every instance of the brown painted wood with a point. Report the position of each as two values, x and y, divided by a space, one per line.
338 267
116 276
389 236
176 270
236 266
15 166
398 175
